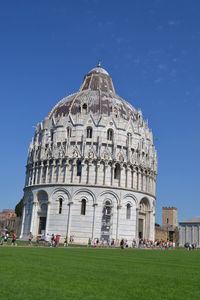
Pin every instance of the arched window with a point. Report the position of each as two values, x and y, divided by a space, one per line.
128 211
117 171
89 132
110 135
129 138
108 208
84 109
60 206
79 168
69 132
83 207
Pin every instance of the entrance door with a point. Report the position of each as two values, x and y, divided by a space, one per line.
106 221
42 225
140 228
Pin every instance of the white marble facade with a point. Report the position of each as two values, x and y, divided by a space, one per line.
91 169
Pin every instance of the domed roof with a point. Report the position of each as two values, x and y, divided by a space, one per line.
98 70
97 95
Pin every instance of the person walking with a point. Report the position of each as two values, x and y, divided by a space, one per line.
46 240
14 239
66 242
30 238
57 240
122 244
89 242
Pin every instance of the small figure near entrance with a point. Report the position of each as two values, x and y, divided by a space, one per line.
14 239
133 244
57 240
122 244
66 242
38 240
30 238
46 240
89 242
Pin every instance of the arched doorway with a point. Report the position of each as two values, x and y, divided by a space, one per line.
143 219
106 220
42 211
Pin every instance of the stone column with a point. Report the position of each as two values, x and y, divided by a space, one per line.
182 235
105 173
47 171
33 175
150 189
41 173
36 174
83 178
69 220
73 171
128 178
59 167
139 181
112 175
89 172
149 225
134 179
97 172
66 180
47 220
94 219
192 234
34 218
144 183
117 228
120 176
23 219
30 176
136 227
186 234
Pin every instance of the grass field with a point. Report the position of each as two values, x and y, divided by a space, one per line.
82 273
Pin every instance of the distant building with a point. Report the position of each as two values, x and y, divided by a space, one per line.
8 219
189 231
169 218
169 228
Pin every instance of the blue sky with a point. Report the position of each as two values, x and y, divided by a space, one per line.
150 48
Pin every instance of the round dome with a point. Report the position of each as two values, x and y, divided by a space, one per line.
98 95
98 70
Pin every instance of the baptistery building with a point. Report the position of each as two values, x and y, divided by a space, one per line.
91 168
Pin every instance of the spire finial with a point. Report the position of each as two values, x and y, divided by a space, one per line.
99 64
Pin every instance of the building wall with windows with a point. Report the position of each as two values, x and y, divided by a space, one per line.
189 232
91 169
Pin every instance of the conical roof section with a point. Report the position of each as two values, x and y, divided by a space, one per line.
98 79
97 95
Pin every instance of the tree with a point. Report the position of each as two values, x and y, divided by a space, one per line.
19 208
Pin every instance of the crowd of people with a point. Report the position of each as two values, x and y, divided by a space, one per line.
5 236
54 240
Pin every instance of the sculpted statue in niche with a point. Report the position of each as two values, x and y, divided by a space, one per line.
121 157
106 155
91 154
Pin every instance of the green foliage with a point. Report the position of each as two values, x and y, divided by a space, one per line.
96 274
19 208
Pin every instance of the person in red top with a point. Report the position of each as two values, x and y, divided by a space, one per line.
57 240
14 239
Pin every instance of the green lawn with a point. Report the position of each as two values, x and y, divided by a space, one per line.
82 273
